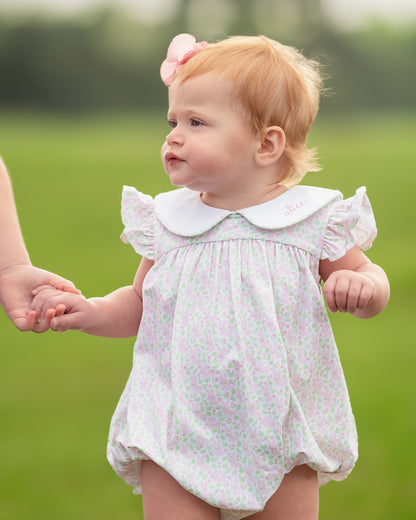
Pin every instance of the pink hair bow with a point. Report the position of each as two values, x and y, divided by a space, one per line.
182 48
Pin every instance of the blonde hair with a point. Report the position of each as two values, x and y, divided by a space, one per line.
276 85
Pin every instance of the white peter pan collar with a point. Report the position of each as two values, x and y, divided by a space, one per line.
182 211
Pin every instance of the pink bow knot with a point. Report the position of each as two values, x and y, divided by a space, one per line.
181 49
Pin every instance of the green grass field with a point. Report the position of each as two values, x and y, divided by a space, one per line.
58 391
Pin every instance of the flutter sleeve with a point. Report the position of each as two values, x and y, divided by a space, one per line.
137 214
351 223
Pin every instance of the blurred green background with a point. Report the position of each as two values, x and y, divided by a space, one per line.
82 112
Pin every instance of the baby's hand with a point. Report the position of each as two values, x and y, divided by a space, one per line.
348 291
62 310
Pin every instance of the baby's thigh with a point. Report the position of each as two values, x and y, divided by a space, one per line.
296 499
163 497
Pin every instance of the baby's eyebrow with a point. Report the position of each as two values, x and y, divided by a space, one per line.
187 112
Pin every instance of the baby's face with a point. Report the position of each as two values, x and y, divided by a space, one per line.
211 145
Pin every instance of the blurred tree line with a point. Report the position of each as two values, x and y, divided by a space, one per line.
109 60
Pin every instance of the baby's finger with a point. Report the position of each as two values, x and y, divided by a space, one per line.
60 310
366 296
50 315
353 297
341 294
329 295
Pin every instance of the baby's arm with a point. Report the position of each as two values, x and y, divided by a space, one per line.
116 315
353 284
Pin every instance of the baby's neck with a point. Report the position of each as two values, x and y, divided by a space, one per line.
243 200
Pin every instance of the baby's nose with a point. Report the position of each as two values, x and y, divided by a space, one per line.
174 137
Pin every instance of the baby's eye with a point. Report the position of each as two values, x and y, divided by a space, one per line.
195 122
172 123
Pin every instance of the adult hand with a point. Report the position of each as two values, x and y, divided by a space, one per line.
16 286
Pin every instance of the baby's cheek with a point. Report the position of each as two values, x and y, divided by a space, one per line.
163 152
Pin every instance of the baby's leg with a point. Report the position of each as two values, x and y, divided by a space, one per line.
164 498
296 499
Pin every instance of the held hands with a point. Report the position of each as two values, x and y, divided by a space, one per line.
62 310
16 286
116 315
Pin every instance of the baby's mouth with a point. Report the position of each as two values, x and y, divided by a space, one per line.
172 159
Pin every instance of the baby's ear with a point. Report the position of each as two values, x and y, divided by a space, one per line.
272 142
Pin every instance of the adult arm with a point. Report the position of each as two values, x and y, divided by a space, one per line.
18 278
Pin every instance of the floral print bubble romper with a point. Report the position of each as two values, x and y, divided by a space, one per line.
236 377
